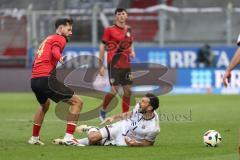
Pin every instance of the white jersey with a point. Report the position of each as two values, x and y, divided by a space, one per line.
136 127
139 129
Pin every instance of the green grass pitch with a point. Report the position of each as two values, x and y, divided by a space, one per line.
184 119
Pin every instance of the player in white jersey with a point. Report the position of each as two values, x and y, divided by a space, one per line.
135 128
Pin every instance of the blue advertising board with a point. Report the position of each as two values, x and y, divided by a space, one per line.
173 57
203 81
190 78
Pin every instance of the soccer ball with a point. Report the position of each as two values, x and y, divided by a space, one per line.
212 138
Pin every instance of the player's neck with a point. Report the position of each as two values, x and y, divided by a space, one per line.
120 25
148 115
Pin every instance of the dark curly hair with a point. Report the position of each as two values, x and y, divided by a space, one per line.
154 101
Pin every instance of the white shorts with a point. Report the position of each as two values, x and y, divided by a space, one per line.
114 134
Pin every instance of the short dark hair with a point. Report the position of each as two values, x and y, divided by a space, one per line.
63 21
154 101
120 10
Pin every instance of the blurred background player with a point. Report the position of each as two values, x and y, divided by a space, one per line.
234 62
118 41
45 85
205 56
139 127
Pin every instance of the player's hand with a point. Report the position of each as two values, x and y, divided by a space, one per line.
133 55
102 71
227 78
107 120
61 60
130 142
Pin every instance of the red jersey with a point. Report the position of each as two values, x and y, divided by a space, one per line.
118 41
46 60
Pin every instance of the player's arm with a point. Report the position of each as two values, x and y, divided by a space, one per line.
105 39
101 58
57 54
134 143
234 62
122 116
132 51
101 54
118 117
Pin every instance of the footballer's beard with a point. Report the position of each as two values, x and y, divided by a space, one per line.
142 111
67 38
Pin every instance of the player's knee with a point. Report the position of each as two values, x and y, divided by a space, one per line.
45 106
113 93
127 93
77 102
94 137
114 90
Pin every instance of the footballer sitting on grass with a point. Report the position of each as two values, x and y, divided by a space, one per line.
134 128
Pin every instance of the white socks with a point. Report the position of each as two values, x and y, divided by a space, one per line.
68 136
84 141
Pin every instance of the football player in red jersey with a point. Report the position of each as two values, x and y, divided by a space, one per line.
45 85
118 41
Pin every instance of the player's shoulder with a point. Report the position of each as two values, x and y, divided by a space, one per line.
156 119
153 128
128 27
110 27
55 38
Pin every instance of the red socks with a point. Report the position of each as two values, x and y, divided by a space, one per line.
36 130
70 128
107 99
125 104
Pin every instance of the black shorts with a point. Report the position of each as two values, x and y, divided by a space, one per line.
119 76
46 87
